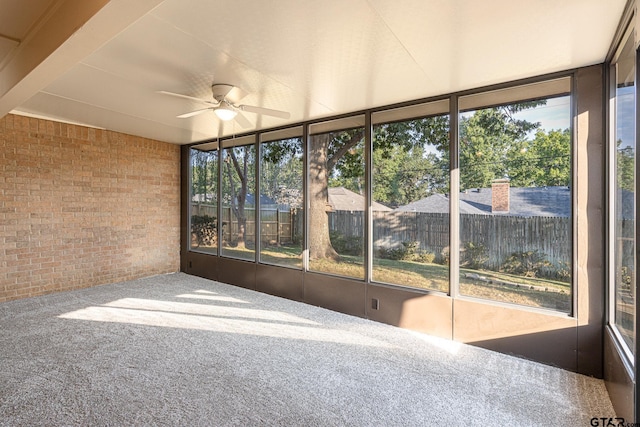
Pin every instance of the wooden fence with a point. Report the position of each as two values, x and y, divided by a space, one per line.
500 235
504 235
278 226
430 230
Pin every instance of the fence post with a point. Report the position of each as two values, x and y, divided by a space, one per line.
278 227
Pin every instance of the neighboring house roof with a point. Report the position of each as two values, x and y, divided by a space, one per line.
539 201
342 199
264 200
438 203
523 201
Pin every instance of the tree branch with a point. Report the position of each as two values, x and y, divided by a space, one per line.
355 138
237 166
234 201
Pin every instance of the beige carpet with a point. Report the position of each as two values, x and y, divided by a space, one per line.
185 351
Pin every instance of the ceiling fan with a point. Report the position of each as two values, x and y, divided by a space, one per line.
225 106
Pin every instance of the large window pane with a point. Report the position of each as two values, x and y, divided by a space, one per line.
204 200
238 202
281 202
336 200
625 189
515 203
411 202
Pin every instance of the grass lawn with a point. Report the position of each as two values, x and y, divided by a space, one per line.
534 298
491 285
410 273
477 283
349 266
289 256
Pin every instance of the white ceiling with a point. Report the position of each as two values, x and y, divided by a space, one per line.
311 58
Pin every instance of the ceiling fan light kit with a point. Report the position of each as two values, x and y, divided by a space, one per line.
224 108
225 112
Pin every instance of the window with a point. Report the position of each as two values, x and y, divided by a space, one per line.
281 198
238 199
336 188
512 193
410 170
515 195
204 198
623 197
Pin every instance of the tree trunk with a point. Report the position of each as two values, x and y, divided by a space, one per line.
242 227
239 197
319 242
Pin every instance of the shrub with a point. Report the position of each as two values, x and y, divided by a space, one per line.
562 272
346 245
473 255
626 278
394 254
410 250
526 263
407 252
443 257
426 257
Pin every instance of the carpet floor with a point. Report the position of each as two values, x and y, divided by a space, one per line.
179 350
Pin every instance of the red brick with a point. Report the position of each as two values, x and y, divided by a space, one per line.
76 209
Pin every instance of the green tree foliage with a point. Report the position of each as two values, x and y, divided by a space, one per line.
204 175
410 162
493 144
625 161
552 158
408 175
281 171
337 159
490 140
411 156
543 161
238 180
348 170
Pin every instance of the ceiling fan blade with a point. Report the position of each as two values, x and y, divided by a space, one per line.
265 111
242 120
236 94
193 113
192 98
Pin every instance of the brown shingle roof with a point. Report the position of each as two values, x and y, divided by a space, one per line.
342 199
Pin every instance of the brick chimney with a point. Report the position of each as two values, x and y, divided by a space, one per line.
500 196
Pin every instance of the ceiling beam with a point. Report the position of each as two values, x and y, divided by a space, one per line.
68 32
10 39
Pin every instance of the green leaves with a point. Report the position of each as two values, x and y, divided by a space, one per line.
625 161
281 171
408 175
493 144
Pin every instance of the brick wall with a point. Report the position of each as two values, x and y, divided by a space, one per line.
82 207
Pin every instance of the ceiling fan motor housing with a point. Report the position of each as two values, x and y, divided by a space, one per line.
220 91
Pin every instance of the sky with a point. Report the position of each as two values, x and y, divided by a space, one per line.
556 114
625 111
